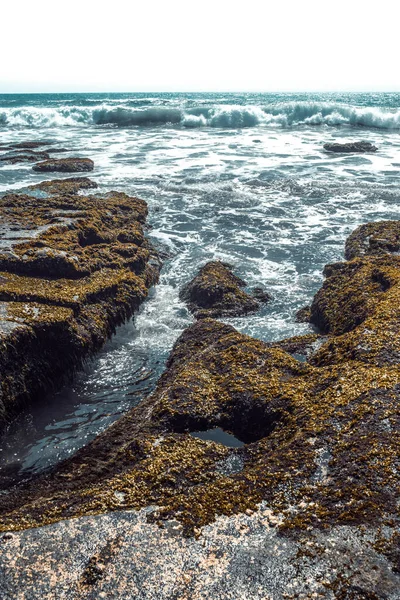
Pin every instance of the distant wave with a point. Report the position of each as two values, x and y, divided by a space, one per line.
283 114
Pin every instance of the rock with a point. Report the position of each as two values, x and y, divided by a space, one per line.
261 295
121 555
66 281
350 147
378 238
317 491
26 145
25 157
57 150
70 185
216 292
64 165
303 315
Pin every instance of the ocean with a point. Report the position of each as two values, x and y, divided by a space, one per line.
238 177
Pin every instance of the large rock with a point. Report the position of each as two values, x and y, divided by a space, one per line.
217 292
71 269
350 147
315 482
64 165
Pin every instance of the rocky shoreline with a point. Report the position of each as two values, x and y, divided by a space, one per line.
72 267
307 507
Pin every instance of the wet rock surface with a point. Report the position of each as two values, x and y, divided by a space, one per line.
311 512
64 165
217 292
350 147
66 281
26 156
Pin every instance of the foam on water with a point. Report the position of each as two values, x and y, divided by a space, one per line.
278 210
248 111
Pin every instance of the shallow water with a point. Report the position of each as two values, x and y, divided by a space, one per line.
257 192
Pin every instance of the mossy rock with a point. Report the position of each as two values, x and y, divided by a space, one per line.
217 292
64 165
61 257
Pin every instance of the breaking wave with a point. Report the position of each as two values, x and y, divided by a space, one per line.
281 114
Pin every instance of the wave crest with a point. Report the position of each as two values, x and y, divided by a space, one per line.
283 114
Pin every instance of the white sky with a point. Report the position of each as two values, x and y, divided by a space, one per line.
208 45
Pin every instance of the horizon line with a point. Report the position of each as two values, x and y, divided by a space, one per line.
315 91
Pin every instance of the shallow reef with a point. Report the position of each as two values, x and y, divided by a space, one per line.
72 267
64 165
217 292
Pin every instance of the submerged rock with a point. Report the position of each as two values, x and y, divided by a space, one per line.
25 157
66 281
64 165
350 147
26 145
217 292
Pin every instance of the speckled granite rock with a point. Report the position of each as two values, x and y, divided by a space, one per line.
64 165
71 269
217 292
351 147
122 556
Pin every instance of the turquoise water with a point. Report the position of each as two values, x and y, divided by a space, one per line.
242 178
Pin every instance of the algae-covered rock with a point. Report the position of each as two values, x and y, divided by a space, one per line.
69 185
378 238
350 147
321 441
217 292
67 279
64 165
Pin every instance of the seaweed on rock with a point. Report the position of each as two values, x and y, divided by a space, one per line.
322 437
67 279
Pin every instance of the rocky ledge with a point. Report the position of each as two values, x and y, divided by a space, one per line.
311 495
217 292
64 165
351 147
72 267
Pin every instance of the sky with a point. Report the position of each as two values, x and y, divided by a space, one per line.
219 45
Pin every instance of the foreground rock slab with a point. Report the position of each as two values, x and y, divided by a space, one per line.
72 267
351 147
64 165
121 555
217 292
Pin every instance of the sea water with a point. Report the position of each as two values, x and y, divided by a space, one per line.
241 178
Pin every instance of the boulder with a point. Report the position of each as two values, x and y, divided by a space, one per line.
64 165
217 292
68 277
350 147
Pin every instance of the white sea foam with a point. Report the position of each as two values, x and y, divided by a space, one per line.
281 114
